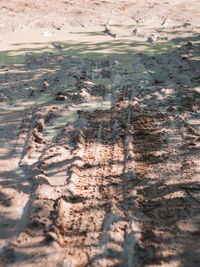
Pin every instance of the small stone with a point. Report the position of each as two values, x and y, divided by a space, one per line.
150 40
184 57
45 85
40 125
57 46
189 45
135 31
61 97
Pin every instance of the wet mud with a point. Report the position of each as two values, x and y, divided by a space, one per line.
100 156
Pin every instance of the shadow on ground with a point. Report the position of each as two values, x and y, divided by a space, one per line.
153 123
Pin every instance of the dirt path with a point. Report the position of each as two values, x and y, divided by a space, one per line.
99 148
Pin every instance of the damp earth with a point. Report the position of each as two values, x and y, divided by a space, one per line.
99 133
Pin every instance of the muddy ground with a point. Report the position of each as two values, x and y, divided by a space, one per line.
99 133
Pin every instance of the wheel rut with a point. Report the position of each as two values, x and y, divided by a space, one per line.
104 180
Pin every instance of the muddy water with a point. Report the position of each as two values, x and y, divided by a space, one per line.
71 115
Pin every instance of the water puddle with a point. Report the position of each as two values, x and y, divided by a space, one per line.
52 129
20 106
71 115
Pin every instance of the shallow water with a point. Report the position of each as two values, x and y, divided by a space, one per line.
71 115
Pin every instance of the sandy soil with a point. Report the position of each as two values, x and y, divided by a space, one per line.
99 133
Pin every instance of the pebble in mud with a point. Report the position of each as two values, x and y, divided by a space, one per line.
150 40
40 125
60 96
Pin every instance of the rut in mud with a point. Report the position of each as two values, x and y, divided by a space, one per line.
110 160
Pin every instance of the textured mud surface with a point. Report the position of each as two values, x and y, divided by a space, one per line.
100 155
